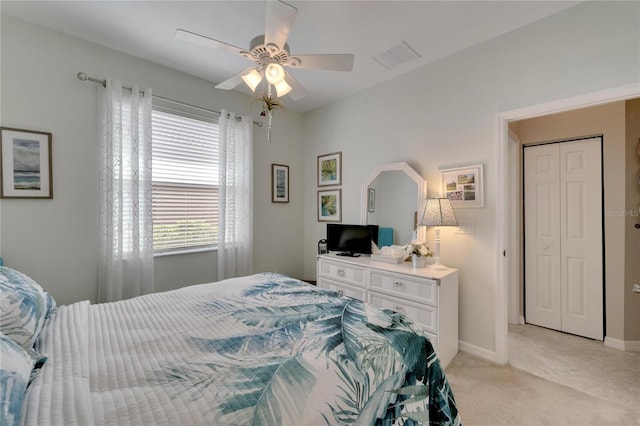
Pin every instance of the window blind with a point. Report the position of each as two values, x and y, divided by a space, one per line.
185 179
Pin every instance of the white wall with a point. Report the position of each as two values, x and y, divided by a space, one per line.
55 241
445 114
440 115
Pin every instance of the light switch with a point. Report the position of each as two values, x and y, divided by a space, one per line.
465 228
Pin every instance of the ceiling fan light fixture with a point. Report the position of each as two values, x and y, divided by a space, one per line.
274 73
282 88
270 53
252 79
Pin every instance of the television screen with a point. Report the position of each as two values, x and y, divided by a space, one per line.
350 240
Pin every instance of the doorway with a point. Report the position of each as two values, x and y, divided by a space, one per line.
563 236
507 264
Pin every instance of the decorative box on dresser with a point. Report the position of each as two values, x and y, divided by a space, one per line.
428 297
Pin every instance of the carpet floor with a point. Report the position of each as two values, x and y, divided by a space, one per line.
552 379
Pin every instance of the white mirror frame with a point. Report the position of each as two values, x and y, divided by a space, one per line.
412 174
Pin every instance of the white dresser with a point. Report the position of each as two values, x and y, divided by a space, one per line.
426 296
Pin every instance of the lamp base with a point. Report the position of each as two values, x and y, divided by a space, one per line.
438 267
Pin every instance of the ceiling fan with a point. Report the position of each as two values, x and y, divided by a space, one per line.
271 53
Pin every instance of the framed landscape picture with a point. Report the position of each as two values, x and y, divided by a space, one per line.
330 169
279 183
330 205
25 159
463 186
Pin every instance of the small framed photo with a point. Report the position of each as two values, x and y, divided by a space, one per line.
372 200
279 183
25 162
330 169
463 186
330 205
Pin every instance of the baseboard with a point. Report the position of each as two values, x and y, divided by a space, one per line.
610 342
622 345
483 353
486 354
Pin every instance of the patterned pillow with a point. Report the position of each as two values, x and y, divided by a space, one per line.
14 376
24 306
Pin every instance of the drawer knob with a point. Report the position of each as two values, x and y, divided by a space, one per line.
341 272
398 309
341 292
398 284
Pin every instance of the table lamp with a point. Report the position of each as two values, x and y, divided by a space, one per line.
438 212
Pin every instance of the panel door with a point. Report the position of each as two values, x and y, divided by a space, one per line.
581 237
543 289
563 237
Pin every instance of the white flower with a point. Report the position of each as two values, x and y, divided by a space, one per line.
419 248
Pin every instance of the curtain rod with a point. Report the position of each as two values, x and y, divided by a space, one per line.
84 77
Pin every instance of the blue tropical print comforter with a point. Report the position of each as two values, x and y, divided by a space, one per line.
265 349
297 336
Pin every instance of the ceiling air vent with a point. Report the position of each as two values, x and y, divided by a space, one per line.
397 55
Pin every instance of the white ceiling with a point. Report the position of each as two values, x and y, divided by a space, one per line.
434 29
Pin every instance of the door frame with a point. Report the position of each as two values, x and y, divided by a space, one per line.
515 231
504 244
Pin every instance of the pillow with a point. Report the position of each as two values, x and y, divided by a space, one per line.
15 371
24 306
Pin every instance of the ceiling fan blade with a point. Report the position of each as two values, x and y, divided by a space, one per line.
206 41
297 91
329 62
234 80
280 19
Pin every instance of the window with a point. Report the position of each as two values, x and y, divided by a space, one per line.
185 178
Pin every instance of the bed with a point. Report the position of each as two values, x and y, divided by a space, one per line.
265 349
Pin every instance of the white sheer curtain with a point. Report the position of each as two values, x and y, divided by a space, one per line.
235 240
126 229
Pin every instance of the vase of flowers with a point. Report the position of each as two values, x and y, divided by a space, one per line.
419 253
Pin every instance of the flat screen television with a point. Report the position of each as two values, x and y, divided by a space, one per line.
351 240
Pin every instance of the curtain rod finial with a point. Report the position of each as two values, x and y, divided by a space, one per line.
82 76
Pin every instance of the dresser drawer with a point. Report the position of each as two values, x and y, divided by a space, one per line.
343 272
423 289
423 315
342 288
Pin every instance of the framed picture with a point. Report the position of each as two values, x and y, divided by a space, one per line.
372 200
330 205
25 160
330 169
463 186
279 183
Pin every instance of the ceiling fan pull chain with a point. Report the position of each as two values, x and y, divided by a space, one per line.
270 118
269 114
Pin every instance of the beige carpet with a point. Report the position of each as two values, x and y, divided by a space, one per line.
580 388
579 363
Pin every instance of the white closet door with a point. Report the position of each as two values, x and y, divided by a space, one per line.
563 237
581 237
543 290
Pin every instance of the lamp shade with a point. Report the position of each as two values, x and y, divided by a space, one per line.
438 212
282 88
252 79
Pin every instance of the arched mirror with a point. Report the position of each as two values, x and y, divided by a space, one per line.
393 197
